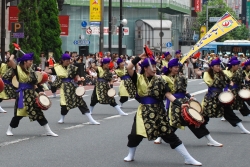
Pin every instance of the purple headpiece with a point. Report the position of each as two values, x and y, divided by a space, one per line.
233 61
247 62
216 61
166 54
173 62
146 64
164 70
25 57
119 61
106 60
178 52
65 56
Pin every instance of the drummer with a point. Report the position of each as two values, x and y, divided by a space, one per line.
103 84
126 88
166 58
25 104
151 119
66 73
178 85
7 74
216 79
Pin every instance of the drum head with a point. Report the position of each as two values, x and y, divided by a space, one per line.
111 92
15 83
226 97
195 114
244 93
44 100
80 91
195 105
39 76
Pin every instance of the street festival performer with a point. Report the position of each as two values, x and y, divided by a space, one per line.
151 120
178 86
7 74
25 104
66 73
127 88
103 85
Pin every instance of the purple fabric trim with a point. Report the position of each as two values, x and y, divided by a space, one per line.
125 77
102 80
177 96
66 79
149 100
21 88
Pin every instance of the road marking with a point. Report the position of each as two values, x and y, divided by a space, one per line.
193 80
13 142
201 82
131 99
199 92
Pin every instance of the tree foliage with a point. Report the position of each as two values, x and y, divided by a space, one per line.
28 15
240 33
50 28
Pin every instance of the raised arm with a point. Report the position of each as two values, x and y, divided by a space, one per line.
12 61
133 63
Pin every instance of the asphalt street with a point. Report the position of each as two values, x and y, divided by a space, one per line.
82 145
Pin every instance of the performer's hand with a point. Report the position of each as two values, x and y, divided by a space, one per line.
228 90
143 56
82 79
192 98
184 105
41 93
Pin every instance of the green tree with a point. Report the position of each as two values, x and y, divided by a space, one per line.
50 28
238 33
28 15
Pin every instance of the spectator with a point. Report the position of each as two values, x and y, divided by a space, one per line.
42 61
190 69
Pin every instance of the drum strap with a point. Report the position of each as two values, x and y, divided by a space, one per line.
66 79
177 96
125 77
21 88
148 100
7 82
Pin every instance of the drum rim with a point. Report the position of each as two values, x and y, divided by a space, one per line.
202 119
185 115
42 106
197 103
242 91
80 87
110 90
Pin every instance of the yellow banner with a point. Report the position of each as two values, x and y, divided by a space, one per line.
95 10
223 26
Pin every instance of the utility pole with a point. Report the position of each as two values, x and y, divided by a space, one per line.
120 30
101 27
110 26
3 30
161 30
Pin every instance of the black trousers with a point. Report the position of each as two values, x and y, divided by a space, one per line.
198 132
134 140
94 100
83 109
230 116
53 89
123 99
16 119
244 110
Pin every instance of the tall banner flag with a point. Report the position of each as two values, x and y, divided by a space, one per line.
95 10
226 23
64 24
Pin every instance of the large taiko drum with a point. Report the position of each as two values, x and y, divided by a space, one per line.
15 83
80 91
111 92
195 105
45 78
1 85
226 97
244 94
43 102
192 117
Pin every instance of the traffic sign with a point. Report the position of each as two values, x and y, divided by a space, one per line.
84 24
17 30
95 23
81 42
214 19
169 45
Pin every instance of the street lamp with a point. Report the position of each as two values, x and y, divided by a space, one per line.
123 22
209 7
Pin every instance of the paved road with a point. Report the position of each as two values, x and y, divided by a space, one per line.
83 145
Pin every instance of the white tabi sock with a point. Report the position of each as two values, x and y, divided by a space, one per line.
91 109
121 105
91 119
117 107
131 154
212 142
189 160
49 131
54 95
62 119
9 131
242 128
223 119
2 110
158 140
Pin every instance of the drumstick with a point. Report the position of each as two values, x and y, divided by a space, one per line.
18 47
149 62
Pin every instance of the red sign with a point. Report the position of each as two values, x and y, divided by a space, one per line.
197 5
13 15
64 24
